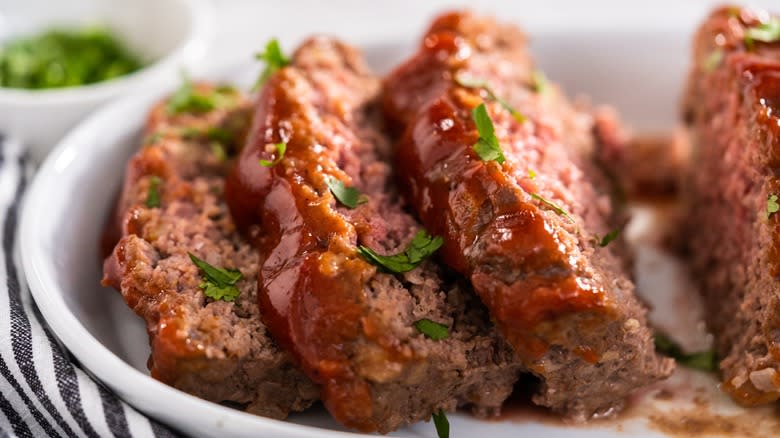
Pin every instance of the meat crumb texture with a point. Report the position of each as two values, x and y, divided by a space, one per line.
732 234
214 349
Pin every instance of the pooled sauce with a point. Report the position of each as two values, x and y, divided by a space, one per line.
487 223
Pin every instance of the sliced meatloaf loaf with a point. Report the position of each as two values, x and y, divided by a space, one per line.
523 209
172 205
359 330
732 229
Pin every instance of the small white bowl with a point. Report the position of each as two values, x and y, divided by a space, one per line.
168 35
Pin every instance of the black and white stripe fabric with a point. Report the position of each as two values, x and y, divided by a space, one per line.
43 393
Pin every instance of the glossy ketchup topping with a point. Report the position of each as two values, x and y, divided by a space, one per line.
312 282
495 233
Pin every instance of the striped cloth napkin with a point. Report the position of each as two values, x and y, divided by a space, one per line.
43 391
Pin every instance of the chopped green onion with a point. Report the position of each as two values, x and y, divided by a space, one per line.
441 423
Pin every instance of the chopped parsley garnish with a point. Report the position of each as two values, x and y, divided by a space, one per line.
349 196
422 246
552 206
609 237
441 423
713 60
153 138
432 329
765 32
539 82
153 195
218 283
212 133
274 60
531 174
65 57
187 99
218 151
487 146
469 82
702 360
281 148
772 206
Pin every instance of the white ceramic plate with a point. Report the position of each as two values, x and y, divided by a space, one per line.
640 71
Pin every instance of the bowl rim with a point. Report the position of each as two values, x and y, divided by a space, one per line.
195 43
150 396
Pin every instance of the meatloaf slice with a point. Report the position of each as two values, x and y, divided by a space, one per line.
527 231
732 233
351 325
214 349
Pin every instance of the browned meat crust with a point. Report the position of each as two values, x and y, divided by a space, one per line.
216 350
565 304
732 107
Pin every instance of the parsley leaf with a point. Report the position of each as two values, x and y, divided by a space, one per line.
349 196
469 82
281 148
187 99
219 283
540 83
422 246
432 329
702 360
274 60
487 146
765 32
609 237
552 206
153 195
441 423
153 138
772 206
713 60
212 133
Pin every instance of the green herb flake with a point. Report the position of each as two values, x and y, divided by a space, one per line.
65 57
218 283
349 196
187 99
531 174
218 150
469 82
432 329
560 211
772 206
153 138
703 360
487 146
768 32
608 238
421 247
713 60
539 82
441 423
153 195
274 60
281 148
212 133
